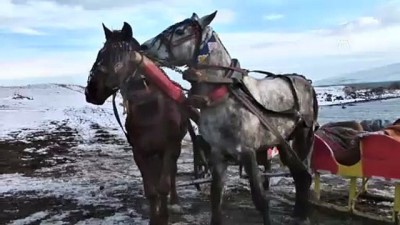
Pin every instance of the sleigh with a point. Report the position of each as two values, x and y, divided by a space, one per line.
378 159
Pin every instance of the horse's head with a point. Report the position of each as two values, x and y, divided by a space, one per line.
192 42
179 44
112 65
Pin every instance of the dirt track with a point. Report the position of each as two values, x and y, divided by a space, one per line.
64 179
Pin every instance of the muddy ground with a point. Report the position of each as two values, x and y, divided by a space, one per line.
53 175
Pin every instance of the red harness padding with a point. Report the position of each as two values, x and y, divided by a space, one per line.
218 93
157 76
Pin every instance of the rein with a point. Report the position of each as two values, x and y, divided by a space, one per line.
115 109
117 117
196 76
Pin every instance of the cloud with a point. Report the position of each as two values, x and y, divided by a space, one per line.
361 23
313 52
388 13
25 30
39 15
90 4
271 2
385 15
73 34
224 16
48 65
359 43
42 14
273 16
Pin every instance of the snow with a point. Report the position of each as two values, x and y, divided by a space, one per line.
51 105
117 218
101 172
30 219
94 165
338 91
52 102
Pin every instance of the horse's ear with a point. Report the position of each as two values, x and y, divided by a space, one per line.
194 16
127 31
107 32
206 20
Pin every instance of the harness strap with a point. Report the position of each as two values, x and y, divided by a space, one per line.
117 117
192 75
292 157
230 68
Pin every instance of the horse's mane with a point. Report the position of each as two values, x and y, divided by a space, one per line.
117 36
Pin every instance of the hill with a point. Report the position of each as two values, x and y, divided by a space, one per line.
386 73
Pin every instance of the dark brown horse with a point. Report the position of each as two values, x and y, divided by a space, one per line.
155 124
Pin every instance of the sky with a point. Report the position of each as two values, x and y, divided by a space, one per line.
58 40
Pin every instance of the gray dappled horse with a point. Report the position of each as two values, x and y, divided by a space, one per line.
155 124
233 131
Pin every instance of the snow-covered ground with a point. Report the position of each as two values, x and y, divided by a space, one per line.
339 96
62 155
64 161
51 102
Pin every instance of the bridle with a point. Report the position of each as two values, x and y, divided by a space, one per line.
118 62
165 38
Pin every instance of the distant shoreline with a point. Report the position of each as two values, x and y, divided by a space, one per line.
361 101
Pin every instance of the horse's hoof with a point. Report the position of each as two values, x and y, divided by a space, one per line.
176 209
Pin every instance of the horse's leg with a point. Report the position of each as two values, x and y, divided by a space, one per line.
170 156
174 169
248 157
240 170
267 168
148 169
262 159
302 144
218 170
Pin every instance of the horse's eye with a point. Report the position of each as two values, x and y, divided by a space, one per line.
179 32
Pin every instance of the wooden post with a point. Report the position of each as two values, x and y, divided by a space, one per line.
364 187
396 205
317 185
352 193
